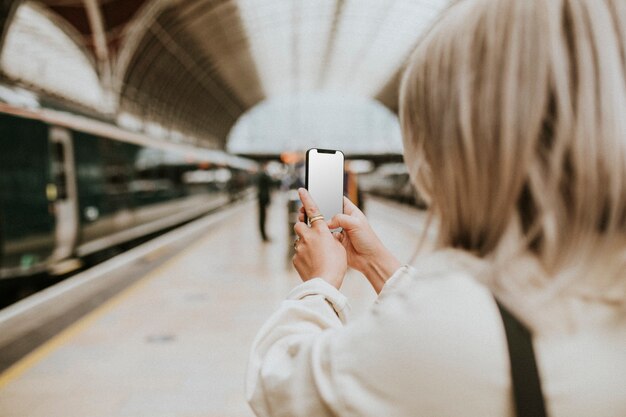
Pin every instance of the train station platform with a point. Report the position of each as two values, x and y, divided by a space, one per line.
175 342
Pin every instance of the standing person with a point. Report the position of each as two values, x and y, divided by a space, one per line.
264 184
514 124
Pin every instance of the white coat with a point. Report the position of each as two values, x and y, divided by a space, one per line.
433 344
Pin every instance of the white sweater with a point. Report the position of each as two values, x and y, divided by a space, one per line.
433 344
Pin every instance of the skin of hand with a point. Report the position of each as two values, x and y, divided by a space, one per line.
317 252
366 253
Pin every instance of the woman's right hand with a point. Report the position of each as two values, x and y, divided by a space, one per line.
366 253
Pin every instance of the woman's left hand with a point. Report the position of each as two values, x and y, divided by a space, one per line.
318 253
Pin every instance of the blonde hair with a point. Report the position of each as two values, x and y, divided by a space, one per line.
514 123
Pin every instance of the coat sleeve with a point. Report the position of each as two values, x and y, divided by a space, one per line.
291 371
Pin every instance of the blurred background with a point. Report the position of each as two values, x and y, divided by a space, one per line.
149 156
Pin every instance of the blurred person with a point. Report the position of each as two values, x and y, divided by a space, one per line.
264 185
293 179
514 127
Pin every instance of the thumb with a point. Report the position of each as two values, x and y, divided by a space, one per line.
344 221
339 236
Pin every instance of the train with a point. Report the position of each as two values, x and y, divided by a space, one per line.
72 186
392 181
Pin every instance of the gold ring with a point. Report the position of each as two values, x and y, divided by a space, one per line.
316 218
295 243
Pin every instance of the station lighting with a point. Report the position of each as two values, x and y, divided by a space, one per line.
360 166
291 158
19 97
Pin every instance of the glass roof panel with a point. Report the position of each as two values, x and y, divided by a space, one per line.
340 45
38 53
353 124
312 32
270 24
374 39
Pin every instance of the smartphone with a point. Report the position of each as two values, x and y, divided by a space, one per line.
324 180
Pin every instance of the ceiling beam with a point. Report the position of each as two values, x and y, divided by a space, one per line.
189 63
330 43
101 51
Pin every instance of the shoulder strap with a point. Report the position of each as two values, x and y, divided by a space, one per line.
527 393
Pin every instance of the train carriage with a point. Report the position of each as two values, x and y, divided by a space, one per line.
71 186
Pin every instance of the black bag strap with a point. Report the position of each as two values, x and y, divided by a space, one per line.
527 393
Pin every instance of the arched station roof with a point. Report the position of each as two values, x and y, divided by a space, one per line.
196 66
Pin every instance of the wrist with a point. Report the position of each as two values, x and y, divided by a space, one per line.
380 268
334 281
331 278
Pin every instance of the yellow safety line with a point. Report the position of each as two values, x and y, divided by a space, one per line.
39 353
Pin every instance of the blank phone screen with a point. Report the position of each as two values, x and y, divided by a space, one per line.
325 181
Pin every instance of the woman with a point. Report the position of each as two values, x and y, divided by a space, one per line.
514 124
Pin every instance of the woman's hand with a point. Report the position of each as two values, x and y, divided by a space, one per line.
318 253
366 253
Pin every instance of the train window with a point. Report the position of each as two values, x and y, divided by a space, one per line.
90 174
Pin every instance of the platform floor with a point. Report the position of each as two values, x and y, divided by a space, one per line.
176 343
